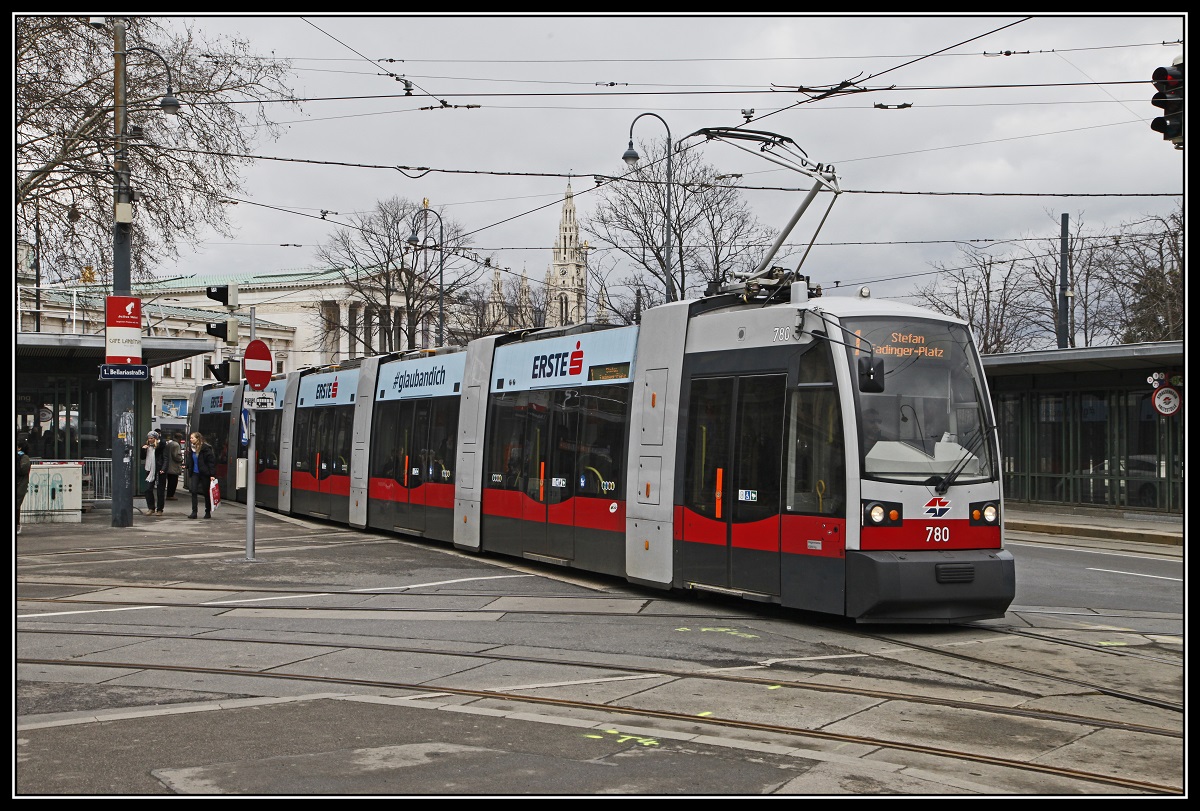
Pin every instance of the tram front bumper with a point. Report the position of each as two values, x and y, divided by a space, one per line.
919 586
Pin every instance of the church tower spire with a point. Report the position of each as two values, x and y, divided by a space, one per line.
566 277
497 314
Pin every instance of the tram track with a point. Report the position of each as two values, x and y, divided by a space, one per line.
878 637
1098 688
643 713
705 675
1042 637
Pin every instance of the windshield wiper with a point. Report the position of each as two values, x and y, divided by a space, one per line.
961 464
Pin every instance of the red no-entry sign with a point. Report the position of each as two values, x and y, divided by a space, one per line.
256 365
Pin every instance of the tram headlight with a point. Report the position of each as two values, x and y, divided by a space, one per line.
984 514
882 514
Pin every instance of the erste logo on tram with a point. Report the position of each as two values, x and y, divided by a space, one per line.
327 391
558 364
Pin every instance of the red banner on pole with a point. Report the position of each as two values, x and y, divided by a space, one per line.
123 330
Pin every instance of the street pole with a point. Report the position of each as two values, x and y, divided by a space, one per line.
1063 263
251 464
122 413
441 284
412 240
37 265
122 419
631 158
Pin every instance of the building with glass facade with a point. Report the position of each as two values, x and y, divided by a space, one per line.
1093 427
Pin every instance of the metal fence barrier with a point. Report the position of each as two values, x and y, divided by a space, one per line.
97 479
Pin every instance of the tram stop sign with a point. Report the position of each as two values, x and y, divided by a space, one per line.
256 365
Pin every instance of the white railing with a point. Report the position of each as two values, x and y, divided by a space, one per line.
97 479
53 305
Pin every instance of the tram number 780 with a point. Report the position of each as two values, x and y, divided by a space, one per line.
937 534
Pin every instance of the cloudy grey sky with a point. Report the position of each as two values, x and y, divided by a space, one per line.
1003 107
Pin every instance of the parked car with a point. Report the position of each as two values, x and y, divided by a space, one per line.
1144 476
1138 482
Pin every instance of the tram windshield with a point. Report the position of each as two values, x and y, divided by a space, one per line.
931 421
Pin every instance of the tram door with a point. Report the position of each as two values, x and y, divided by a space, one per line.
731 499
413 455
534 479
561 467
324 460
323 438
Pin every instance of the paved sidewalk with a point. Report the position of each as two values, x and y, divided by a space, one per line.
1108 525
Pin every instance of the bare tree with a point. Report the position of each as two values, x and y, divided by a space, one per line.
481 309
992 295
1092 302
1147 268
725 236
182 166
712 229
397 286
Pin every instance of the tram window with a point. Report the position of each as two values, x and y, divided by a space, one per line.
561 478
319 437
418 466
603 417
215 428
816 465
506 438
343 438
707 463
443 428
760 425
302 454
536 447
384 462
266 440
405 456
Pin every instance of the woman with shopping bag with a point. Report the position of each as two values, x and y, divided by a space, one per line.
201 464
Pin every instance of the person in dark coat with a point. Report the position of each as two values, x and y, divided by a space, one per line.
200 463
24 463
154 456
174 463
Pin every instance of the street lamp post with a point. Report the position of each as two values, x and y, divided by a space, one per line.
631 157
412 240
124 436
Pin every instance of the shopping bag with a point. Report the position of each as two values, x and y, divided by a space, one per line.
214 492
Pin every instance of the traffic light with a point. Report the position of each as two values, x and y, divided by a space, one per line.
227 371
1168 84
226 330
224 293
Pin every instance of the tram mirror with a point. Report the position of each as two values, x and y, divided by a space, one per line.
870 374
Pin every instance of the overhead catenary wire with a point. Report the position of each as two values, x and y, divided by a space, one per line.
942 53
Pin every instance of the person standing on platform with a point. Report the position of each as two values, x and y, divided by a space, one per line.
201 464
155 465
24 463
174 463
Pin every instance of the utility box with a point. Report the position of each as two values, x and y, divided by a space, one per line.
55 494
